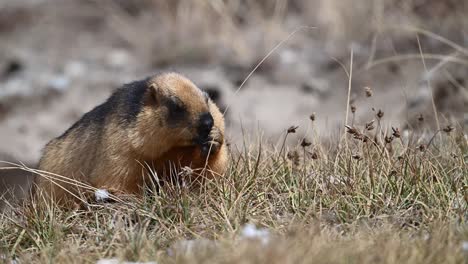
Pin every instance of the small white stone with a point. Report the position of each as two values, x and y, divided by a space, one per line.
465 246
108 261
101 195
74 69
116 261
250 231
59 83
118 58
187 247
288 56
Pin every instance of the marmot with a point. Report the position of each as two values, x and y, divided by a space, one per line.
162 123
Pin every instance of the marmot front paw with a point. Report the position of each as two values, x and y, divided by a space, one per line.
212 146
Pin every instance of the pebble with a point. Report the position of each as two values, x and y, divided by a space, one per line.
101 195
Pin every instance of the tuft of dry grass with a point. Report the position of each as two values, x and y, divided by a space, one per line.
378 198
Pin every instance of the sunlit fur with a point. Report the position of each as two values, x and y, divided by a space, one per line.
115 151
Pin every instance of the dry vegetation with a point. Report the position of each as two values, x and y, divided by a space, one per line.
222 31
372 194
375 195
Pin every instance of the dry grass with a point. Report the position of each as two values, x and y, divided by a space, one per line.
196 31
382 197
375 194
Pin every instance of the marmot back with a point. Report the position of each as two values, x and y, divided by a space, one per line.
161 124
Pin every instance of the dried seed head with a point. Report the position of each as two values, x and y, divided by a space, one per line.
388 139
380 114
291 154
352 130
448 129
420 118
305 143
422 147
314 155
370 125
396 132
312 117
368 91
353 109
292 129
356 134
294 157
361 137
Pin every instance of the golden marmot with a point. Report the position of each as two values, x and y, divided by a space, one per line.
162 123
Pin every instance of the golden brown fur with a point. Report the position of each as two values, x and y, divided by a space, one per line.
155 124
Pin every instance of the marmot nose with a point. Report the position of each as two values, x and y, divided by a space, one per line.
205 124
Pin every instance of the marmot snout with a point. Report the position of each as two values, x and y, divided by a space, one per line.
160 124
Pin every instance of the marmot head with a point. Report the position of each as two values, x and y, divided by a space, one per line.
176 113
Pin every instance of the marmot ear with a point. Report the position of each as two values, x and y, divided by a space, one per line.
154 94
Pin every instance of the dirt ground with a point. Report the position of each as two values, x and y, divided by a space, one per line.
59 59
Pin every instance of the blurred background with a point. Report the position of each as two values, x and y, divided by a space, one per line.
60 58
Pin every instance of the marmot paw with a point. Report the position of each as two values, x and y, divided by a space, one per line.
215 142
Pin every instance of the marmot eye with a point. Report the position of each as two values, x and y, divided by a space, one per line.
176 107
